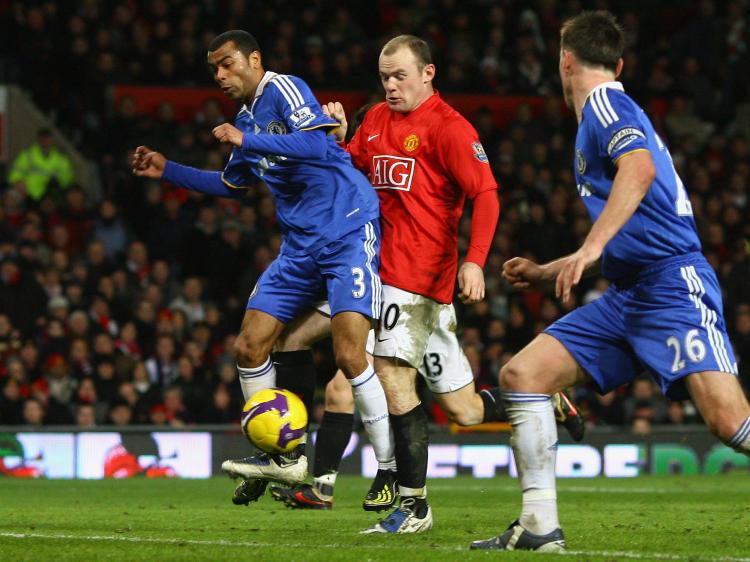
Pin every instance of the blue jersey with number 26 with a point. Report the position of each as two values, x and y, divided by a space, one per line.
612 126
318 200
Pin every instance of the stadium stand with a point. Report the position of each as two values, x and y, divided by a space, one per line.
128 303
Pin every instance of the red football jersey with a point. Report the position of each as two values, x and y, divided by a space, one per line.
423 165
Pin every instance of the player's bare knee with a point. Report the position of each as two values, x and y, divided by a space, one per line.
240 351
517 377
352 361
511 378
248 352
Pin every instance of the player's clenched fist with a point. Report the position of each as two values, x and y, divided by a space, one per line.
148 163
335 110
470 283
228 133
523 273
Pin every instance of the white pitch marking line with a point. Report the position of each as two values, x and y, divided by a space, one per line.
379 546
572 489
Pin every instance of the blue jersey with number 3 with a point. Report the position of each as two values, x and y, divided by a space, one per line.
612 126
317 200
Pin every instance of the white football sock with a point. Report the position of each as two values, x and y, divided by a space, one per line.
740 441
534 442
253 380
369 399
325 484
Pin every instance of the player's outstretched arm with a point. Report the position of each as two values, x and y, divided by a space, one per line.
635 173
335 110
151 164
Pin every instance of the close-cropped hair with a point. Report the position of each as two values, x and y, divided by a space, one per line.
595 38
418 46
244 42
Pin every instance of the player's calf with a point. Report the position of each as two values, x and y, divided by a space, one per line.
721 402
411 438
465 407
486 407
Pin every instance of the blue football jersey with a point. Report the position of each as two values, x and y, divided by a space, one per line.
613 125
317 200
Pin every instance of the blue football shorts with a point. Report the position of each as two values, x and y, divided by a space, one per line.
344 272
667 320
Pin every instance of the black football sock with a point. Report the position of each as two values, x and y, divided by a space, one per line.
493 405
295 371
330 444
411 437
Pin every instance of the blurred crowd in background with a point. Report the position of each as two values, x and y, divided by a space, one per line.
123 310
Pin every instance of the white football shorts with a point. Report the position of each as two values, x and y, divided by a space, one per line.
443 364
422 332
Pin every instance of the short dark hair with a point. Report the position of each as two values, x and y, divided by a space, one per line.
418 46
595 38
245 42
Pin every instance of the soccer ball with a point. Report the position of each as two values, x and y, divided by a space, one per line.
274 420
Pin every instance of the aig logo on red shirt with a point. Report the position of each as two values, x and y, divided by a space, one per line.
392 172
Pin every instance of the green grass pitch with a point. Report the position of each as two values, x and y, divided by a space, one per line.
692 518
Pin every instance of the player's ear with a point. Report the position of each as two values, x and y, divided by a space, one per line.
618 68
428 73
566 60
255 59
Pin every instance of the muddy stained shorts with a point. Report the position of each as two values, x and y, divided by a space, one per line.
422 332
